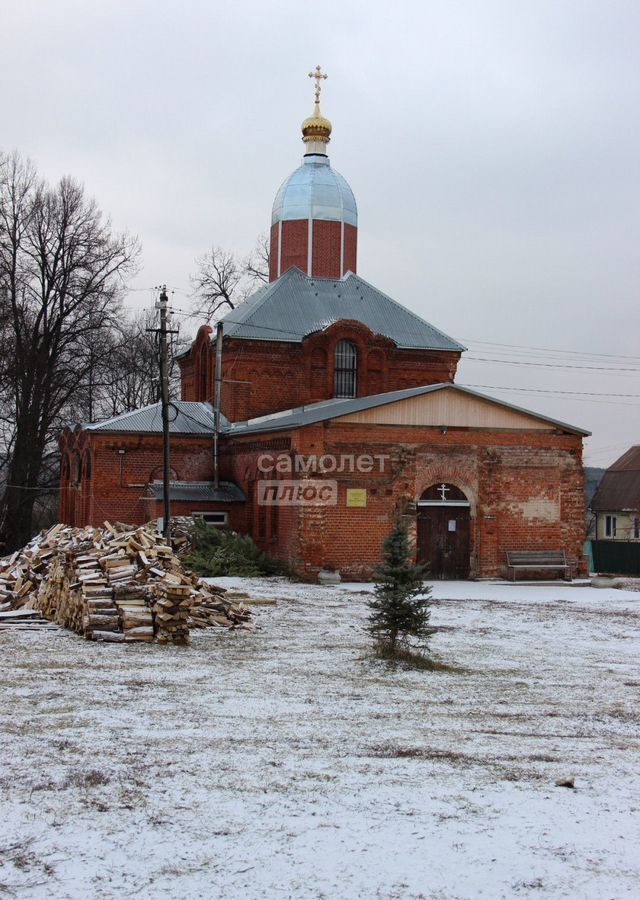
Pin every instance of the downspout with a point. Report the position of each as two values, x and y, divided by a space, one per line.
216 406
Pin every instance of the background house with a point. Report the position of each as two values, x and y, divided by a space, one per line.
616 503
616 507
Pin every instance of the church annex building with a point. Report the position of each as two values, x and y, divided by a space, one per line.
340 412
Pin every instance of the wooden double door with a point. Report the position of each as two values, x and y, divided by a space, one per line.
444 540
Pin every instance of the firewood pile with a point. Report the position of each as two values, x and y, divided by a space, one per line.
181 529
25 620
115 584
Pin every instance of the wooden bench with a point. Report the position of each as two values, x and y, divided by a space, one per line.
538 559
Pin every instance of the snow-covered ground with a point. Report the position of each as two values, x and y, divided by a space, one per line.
289 763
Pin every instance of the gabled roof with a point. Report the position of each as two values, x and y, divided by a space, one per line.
297 305
334 409
185 417
620 485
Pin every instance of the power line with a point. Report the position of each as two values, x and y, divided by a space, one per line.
613 370
196 315
562 351
546 350
510 362
495 387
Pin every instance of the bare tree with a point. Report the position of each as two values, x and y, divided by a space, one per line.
257 263
134 379
216 282
62 272
223 280
124 371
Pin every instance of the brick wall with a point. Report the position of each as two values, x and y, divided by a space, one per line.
525 488
274 249
350 249
525 491
112 485
327 253
295 244
197 368
303 373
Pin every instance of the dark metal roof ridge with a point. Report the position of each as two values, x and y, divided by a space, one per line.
179 404
94 426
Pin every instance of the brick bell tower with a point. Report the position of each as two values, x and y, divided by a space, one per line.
314 222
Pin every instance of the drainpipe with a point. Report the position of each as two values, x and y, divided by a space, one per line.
216 406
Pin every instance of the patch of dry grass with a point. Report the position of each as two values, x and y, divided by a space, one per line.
89 779
409 658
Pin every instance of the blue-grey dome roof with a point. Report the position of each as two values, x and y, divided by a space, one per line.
315 191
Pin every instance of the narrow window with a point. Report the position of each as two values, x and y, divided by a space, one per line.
636 528
610 523
204 363
346 369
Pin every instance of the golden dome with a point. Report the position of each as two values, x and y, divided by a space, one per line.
316 127
316 130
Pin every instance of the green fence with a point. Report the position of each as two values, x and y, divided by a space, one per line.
616 557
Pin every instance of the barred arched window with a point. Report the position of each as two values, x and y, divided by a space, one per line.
346 369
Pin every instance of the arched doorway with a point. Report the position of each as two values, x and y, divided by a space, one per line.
443 531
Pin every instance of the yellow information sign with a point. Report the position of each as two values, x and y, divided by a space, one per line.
356 496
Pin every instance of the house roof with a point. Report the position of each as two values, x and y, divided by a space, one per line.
199 491
333 409
620 485
296 305
185 417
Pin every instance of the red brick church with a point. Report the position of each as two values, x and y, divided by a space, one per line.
340 412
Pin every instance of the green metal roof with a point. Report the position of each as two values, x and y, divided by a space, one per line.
185 417
297 305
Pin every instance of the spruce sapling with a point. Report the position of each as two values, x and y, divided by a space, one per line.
400 609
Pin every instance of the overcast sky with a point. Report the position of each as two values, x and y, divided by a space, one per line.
492 145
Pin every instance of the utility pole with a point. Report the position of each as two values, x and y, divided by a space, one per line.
163 331
216 405
164 388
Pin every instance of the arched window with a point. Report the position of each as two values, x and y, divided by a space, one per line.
78 467
346 369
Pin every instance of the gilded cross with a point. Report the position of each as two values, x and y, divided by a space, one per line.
318 75
443 491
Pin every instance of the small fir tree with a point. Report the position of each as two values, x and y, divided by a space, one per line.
400 609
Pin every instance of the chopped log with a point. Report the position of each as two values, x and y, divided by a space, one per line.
112 637
141 633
